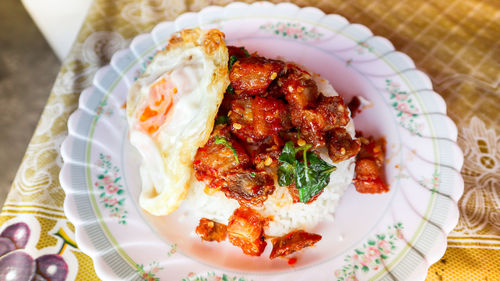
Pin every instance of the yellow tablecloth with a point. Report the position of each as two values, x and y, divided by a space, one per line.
456 42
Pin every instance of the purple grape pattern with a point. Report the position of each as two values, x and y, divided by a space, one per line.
52 267
18 233
18 265
6 245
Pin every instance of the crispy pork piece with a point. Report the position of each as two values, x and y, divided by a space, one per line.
310 124
210 230
292 242
368 179
241 120
372 148
334 110
370 166
223 164
270 116
329 114
266 156
254 119
341 146
299 88
246 230
247 186
250 76
218 158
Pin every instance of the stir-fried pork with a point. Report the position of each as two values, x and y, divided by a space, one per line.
341 146
248 187
213 160
299 88
210 230
292 242
269 103
370 166
246 230
252 75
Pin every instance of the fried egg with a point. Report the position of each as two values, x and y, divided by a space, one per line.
171 110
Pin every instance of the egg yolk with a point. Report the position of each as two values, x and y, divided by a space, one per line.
159 102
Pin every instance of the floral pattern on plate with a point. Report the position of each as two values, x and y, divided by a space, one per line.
212 276
110 189
292 30
150 274
404 105
372 255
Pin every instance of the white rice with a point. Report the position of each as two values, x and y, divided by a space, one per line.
286 216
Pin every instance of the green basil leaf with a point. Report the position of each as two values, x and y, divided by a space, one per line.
301 181
313 175
305 194
288 154
224 142
230 89
311 183
286 174
322 179
305 176
319 165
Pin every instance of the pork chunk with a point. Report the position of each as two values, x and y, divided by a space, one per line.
292 242
329 114
246 230
341 146
247 186
252 75
210 230
214 160
270 116
299 88
254 119
370 166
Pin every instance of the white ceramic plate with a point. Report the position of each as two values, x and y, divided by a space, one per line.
396 235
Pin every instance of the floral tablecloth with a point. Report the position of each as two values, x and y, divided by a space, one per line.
456 42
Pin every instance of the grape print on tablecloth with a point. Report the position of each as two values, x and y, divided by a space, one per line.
18 264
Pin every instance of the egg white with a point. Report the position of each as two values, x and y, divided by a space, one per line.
195 62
